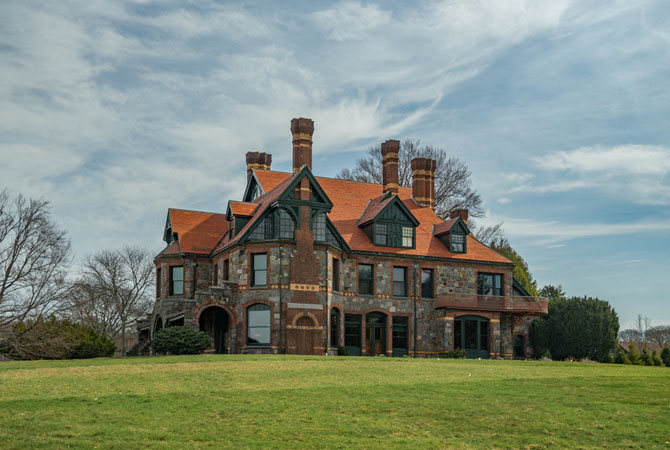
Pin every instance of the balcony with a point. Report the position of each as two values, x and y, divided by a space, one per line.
513 304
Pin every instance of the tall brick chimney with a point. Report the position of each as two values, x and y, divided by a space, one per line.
258 161
390 151
302 130
423 181
459 212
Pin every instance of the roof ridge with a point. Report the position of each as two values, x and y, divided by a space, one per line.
196 211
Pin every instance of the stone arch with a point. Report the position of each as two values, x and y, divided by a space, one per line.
220 304
315 321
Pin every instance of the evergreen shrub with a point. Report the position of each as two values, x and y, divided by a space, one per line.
181 341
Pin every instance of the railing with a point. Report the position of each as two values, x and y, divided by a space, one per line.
493 303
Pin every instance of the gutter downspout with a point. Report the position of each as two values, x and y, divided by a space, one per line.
415 300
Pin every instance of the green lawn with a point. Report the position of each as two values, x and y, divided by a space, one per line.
315 402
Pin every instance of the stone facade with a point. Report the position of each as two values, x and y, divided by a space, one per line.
290 304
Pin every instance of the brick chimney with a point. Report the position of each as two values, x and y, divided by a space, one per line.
460 212
258 161
302 130
423 181
390 151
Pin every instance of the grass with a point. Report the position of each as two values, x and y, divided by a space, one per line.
315 402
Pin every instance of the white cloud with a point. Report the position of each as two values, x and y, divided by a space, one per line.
351 20
551 232
623 159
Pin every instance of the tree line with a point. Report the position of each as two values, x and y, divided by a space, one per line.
49 308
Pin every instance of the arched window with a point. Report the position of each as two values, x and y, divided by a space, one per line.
258 324
334 327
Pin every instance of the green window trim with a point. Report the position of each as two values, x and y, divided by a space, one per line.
365 279
259 326
390 234
399 281
259 270
427 283
490 284
177 280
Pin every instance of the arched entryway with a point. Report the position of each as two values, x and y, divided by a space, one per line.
472 334
375 334
214 322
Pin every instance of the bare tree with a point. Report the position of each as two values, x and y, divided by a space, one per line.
92 306
34 257
124 278
659 334
487 234
630 335
453 187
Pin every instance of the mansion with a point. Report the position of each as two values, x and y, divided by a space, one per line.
303 264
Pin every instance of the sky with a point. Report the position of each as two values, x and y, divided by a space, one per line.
115 111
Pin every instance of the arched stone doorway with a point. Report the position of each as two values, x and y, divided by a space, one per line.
214 322
303 335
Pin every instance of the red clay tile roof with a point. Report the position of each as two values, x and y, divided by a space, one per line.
198 232
350 198
444 227
243 208
374 207
264 201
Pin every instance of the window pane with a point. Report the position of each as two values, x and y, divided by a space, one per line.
177 288
381 233
320 227
352 330
485 284
260 261
407 236
427 283
258 316
334 327
260 277
471 334
458 336
336 275
365 279
286 225
483 335
258 335
399 282
400 332
178 274
258 324
457 243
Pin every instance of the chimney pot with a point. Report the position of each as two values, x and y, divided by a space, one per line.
302 130
390 150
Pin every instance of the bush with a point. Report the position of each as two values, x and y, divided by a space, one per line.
342 351
576 327
181 341
610 358
634 355
646 357
621 357
665 356
655 359
454 354
93 345
54 339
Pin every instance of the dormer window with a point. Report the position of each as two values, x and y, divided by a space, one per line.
381 234
408 237
388 223
457 243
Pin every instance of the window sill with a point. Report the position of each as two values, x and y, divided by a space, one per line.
258 287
